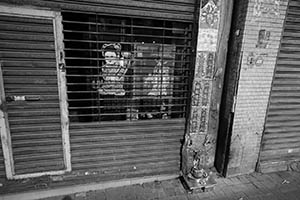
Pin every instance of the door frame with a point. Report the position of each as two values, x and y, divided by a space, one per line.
61 77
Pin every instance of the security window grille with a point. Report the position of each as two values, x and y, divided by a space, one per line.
122 68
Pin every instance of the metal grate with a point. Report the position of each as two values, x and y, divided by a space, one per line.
121 68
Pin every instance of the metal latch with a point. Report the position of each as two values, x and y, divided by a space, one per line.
23 98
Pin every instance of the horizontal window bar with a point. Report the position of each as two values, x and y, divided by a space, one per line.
129 35
127 106
127 98
134 51
137 59
128 43
125 113
175 68
135 91
141 75
126 26
133 84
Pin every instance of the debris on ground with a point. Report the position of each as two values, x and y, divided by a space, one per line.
57 178
80 194
285 182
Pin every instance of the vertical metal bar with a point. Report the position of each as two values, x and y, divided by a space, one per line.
123 32
162 67
98 68
133 73
58 28
5 132
94 84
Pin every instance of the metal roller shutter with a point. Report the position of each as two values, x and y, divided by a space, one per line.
171 9
133 129
281 140
28 64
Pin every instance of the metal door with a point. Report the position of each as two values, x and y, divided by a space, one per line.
281 139
33 114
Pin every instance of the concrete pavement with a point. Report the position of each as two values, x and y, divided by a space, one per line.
274 186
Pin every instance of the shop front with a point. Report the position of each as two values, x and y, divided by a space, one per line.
97 91
94 92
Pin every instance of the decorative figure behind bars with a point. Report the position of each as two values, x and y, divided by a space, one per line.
159 80
158 83
113 71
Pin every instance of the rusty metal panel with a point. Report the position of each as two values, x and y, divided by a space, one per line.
27 53
281 140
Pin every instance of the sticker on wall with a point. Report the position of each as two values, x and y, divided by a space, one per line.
205 64
196 144
196 93
195 120
210 65
209 140
200 64
254 59
266 8
207 40
263 38
205 94
210 14
203 119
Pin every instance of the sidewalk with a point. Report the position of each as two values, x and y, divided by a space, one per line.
273 186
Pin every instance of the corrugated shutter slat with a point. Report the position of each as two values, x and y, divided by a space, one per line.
126 146
171 9
27 52
281 140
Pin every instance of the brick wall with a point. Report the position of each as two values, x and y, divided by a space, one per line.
264 17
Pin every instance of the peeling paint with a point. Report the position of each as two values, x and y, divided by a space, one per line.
266 8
